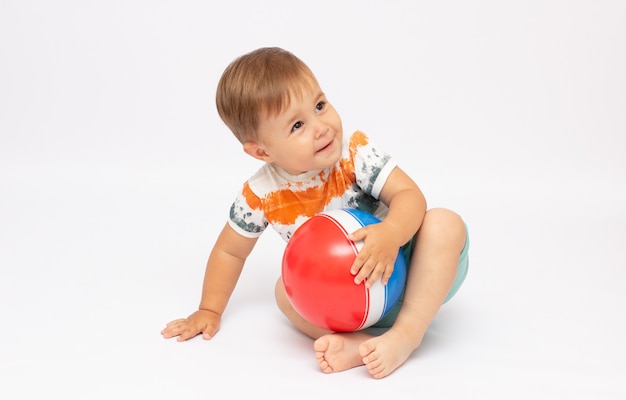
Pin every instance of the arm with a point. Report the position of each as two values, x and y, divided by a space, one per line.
223 269
407 207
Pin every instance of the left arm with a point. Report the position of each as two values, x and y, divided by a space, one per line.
407 207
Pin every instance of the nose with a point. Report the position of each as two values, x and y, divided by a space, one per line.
320 128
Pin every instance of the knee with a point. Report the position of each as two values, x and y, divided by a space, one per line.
445 224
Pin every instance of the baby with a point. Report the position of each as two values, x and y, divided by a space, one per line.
273 104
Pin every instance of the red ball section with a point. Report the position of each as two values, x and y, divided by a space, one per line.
317 279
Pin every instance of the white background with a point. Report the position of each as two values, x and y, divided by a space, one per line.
116 175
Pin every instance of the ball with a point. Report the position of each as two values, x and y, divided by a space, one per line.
317 279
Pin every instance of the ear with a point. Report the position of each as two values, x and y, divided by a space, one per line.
255 150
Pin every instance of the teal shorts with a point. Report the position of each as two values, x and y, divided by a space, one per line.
461 273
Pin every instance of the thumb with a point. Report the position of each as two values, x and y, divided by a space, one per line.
357 235
208 333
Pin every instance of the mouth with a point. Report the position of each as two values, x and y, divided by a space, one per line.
325 147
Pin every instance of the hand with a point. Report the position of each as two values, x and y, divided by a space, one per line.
378 255
201 321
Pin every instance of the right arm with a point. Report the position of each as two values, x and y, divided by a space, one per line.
223 269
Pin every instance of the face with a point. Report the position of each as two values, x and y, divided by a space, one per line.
305 136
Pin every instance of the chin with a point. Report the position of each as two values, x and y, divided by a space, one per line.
336 159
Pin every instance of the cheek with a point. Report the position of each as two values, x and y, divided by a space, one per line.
337 120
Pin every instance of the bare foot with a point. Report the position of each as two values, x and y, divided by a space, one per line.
339 351
384 354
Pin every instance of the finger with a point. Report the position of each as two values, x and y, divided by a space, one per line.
387 274
165 333
187 334
376 274
364 272
174 322
358 263
382 272
373 277
171 330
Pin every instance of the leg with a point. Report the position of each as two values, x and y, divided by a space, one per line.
334 351
433 268
285 306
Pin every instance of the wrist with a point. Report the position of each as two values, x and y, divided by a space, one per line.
396 233
208 310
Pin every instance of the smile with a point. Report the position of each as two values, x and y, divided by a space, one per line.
325 147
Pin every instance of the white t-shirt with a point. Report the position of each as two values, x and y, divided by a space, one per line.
274 197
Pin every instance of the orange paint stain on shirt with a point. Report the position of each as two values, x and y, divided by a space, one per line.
253 201
285 206
357 140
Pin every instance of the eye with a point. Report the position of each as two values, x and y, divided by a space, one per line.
320 106
296 126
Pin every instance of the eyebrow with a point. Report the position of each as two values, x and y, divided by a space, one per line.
293 117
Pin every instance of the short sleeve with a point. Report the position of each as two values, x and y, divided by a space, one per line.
246 216
372 166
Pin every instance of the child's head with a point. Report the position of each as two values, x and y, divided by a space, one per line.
259 83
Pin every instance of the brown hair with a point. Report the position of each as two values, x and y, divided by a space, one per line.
260 82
